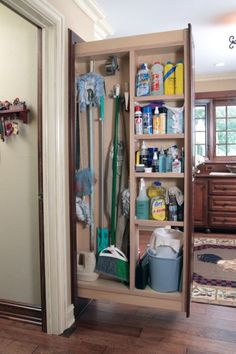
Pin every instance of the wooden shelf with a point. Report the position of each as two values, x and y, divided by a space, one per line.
18 113
112 289
158 136
159 98
158 175
156 223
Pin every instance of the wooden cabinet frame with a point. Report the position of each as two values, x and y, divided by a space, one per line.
134 49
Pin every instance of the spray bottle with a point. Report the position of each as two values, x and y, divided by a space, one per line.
142 202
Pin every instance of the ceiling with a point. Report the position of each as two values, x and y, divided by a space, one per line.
213 22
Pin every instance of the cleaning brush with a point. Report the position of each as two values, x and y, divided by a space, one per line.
113 262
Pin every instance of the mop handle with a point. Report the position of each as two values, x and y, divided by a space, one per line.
115 152
101 118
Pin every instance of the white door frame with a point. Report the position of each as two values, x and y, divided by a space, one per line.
59 310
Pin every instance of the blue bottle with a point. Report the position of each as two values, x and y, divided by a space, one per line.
162 161
147 120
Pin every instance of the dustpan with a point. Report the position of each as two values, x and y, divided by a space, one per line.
113 262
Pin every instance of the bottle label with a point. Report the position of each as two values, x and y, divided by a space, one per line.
147 123
156 82
138 126
156 124
143 84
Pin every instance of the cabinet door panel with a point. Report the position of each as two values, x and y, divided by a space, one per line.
221 220
200 202
222 186
222 203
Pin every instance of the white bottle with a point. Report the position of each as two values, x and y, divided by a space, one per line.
157 79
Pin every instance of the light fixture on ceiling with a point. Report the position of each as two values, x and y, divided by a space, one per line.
219 64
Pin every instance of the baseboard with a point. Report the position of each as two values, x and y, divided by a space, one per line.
21 312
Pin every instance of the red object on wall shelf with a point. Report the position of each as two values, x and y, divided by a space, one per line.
20 112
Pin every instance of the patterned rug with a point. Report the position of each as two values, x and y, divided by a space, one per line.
214 271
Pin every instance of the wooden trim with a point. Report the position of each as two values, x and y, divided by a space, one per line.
215 95
79 304
21 312
40 185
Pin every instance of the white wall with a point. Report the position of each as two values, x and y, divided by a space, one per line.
19 236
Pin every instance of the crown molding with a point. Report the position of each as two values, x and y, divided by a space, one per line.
101 27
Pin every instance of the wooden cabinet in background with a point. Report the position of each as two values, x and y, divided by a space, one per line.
200 202
215 202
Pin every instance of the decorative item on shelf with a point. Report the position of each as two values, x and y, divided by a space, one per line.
15 110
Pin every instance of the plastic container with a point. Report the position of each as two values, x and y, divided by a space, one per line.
143 81
157 79
142 202
169 79
155 164
172 208
162 161
169 160
147 120
175 120
142 272
138 117
156 122
179 78
165 273
144 154
156 190
162 115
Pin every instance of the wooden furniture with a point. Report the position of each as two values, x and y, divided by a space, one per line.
131 52
215 201
16 113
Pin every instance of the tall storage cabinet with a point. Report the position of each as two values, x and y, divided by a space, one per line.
131 52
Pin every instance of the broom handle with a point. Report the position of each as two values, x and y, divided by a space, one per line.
115 151
101 160
91 164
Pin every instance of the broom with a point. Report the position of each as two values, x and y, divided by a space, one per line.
111 261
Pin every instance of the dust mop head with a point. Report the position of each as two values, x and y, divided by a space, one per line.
93 83
112 262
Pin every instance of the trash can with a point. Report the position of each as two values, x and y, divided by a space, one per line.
165 273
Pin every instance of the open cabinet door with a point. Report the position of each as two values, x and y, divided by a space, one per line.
189 84
131 52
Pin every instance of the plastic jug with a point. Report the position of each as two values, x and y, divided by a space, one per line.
157 79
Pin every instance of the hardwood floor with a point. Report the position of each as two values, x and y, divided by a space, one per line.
111 328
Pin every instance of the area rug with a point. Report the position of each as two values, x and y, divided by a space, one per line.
214 271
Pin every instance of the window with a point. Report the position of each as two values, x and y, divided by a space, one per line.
225 129
200 118
215 126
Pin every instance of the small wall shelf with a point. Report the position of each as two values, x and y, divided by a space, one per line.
16 113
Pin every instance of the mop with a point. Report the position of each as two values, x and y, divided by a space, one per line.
91 89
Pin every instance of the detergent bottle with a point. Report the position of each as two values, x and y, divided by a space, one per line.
143 81
157 79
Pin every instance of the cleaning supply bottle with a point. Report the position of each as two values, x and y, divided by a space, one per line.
143 81
138 117
169 79
162 115
162 161
156 122
147 120
169 160
156 190
176 165
142 202
144 154
155 165
157 79
179 78
172 216
158 208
